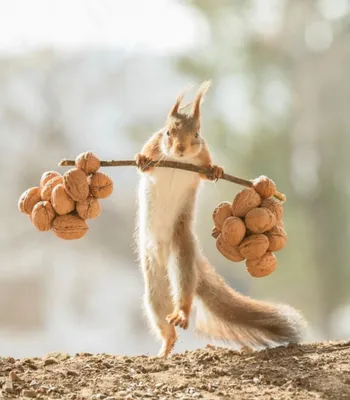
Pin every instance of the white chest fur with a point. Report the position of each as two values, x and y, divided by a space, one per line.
162 197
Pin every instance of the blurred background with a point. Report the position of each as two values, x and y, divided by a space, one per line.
101 75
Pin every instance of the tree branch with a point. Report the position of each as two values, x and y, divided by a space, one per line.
177 165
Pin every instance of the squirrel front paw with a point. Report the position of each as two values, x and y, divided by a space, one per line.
179 318
143 162
215 173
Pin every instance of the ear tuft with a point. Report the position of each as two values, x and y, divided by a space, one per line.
175 108
204 87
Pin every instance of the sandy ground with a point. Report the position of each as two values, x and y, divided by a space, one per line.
316 371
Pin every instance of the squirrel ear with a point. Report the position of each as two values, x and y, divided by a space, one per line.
176 106
204 87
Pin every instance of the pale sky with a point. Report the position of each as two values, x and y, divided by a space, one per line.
157 25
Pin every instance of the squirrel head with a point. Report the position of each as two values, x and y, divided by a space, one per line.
181 137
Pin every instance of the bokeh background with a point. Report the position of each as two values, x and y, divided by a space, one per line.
101 75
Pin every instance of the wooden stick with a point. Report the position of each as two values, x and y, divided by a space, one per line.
177 165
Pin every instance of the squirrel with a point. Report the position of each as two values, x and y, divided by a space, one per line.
174 268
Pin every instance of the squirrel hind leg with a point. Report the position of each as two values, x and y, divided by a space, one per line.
169 337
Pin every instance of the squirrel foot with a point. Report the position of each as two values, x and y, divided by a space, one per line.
216 173
143 162
178 318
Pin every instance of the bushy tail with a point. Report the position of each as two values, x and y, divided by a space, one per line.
226 315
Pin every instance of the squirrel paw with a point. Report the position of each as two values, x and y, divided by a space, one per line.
178 318
142 162
216 173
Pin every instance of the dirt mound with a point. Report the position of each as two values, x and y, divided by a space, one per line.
318 371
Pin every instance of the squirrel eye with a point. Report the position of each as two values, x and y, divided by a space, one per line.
168 133
196 135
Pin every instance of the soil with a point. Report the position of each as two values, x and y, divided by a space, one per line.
314 371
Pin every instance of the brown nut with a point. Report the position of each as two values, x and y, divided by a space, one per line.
230 252
43 215
254 246
69 227
280 223
245 200
89 208
221 213
88 162
264 186
233 231
277 238
61 201
28 200
47 176
260 220
101 185
47 189
263 266
76 184
275 206
215 232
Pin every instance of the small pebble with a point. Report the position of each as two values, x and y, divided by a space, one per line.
29 393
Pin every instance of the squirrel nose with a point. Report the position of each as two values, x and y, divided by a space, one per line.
180 148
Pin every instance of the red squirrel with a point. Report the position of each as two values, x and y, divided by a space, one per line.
174 268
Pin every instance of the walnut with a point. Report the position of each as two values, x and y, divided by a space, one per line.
254 246
69 227
233 231
101 185
275 206
28 200
244 201
230 252
260 220
221 213
61 201
89 208
215 232
43 215
264 186
280 223
47 176
277 238
88 162
47 189
76 184
262 266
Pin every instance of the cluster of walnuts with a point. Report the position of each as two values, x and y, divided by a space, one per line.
64 203
251 228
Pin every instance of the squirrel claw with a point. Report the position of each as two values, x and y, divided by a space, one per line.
178 318
142 162
216 173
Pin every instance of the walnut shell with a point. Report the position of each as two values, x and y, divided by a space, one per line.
233 231
61 201
43 215
47 176
76 184
88 162
28 200
280 223
47 189
264 186
245 200
215 232
69 227
260 220
89 208
262 266
230 252
221 213
101 185
275 206
277 238
254 246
